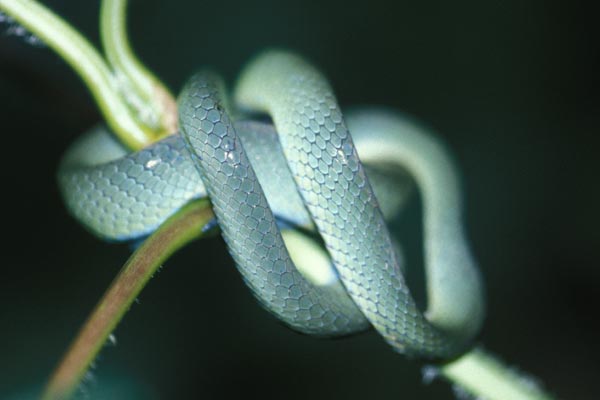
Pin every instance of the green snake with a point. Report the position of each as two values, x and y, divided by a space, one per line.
301 173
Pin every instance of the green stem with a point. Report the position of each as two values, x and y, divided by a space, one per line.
153 102
182 228
485 377
87 62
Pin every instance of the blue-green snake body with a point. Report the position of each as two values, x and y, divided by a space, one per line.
309 168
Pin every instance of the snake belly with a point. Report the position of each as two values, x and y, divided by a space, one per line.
320 183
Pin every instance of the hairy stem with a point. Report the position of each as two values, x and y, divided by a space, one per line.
485 377
183 227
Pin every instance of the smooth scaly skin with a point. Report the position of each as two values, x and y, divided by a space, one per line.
454 290
336 191
120 196
247 223
128 197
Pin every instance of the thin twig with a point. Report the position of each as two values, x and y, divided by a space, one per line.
141 88
88 63
484 376
177 231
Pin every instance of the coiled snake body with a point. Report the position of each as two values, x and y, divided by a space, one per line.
314 179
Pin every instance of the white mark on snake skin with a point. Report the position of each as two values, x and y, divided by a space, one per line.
229 145
342 157
152 163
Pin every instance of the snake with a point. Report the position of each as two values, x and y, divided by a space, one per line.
302 217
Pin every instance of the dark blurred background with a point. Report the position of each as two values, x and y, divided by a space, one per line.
512 86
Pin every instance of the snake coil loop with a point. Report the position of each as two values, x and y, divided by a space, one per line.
312 178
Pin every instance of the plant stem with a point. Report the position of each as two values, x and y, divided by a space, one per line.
151 99
87 62
182 228
485 377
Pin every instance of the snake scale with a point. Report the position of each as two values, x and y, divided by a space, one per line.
302 171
